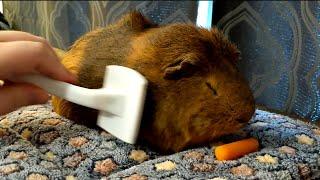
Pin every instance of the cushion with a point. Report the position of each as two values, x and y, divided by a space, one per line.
36 143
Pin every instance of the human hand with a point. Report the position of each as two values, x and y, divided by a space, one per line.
20 54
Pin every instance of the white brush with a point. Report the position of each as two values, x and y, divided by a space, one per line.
120 100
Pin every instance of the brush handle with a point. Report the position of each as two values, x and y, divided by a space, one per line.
104 99
120 100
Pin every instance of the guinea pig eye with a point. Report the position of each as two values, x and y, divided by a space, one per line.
214 92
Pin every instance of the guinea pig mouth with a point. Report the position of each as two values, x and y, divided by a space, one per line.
240 120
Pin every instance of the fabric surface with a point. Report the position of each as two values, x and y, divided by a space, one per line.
36 143
62 22
280 47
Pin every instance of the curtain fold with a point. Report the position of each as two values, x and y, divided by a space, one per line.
280 45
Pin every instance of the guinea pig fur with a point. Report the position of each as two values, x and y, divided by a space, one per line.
195 93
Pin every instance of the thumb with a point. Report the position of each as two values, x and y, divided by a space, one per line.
17 95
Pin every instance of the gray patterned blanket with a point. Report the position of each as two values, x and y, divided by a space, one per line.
38 144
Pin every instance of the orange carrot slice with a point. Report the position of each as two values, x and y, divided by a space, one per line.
236 149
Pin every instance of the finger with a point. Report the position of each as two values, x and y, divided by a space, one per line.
18 95
9 35
60 73
24 57
6 36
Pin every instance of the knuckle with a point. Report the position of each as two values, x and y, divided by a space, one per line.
40 48
43 41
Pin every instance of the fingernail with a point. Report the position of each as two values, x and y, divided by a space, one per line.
38 96
72 78
44 97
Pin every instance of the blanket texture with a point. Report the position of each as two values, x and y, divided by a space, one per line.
38 144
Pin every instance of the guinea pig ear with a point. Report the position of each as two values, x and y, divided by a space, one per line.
183 66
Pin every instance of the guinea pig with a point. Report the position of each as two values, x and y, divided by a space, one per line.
195 92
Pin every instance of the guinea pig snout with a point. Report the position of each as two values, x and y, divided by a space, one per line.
240 102
244 110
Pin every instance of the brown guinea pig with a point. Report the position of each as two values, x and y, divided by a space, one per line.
195 91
